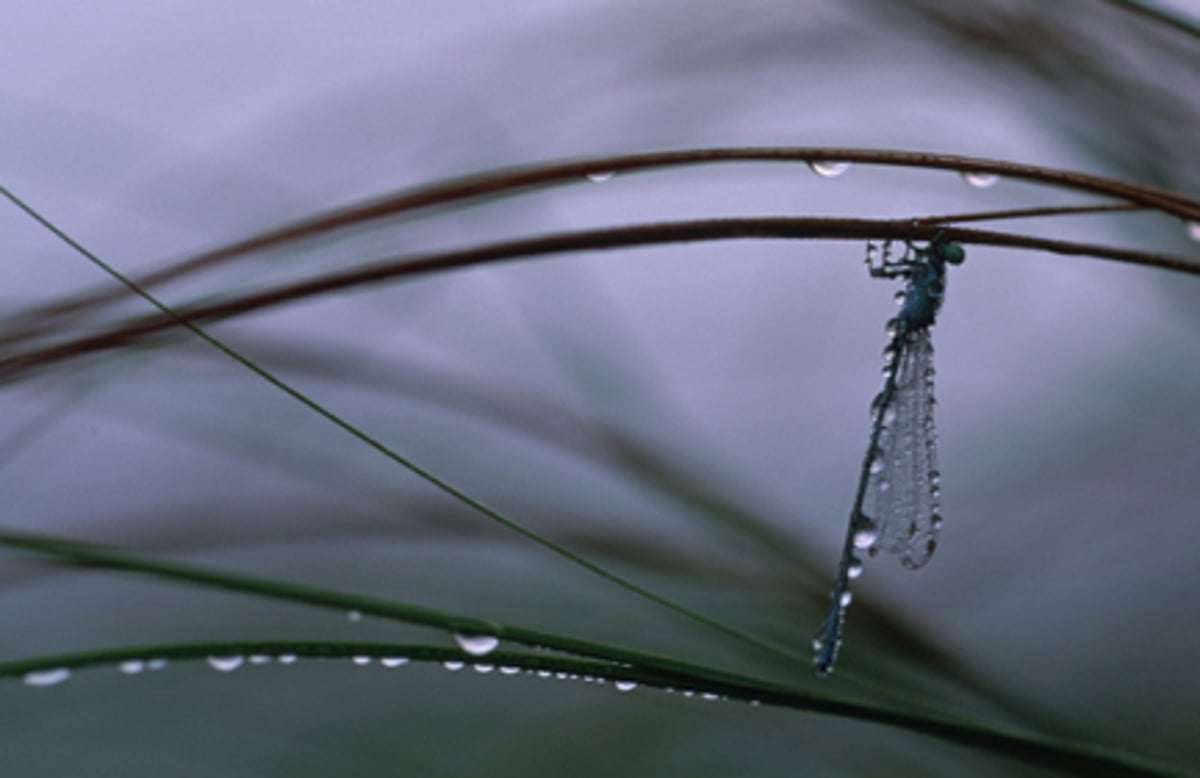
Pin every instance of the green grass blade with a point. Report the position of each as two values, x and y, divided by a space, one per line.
1040 752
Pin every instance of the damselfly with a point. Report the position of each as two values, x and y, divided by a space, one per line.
896 506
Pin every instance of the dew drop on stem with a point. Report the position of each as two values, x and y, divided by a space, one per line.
980 180
865 537
225 664
477 645
42 678
828 168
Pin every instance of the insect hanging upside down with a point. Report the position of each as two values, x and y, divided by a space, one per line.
896 507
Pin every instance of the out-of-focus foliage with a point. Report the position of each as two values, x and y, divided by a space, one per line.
691 416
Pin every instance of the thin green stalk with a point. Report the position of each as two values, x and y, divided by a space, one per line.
1156 12
1036 751
93 556
382 448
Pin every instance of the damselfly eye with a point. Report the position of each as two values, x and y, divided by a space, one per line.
950 252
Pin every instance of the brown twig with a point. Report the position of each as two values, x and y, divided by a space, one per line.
519 179
1028 213
586 240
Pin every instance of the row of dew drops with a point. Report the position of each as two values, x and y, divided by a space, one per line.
474 645
833 169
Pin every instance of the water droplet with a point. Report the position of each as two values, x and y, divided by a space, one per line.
132 666
391 662
877 465
828 168
225 664
46 677
157 663
1193 230
710 696
689 692
562 675
287 659
899 297
980 180
452 666
361 661
625 686
477 645
259 659
544 674
600 176
854 569
509 670
865 537
354 615
484 669
845 600
818 643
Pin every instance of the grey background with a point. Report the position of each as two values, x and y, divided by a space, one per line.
1066 387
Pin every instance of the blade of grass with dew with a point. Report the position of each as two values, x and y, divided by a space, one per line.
641 667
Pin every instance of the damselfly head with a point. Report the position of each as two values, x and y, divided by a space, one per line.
943 251
948 252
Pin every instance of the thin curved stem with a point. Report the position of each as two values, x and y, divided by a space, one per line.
1028 213
585 240
1159 14
442 485
701 682
103 558
518 179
